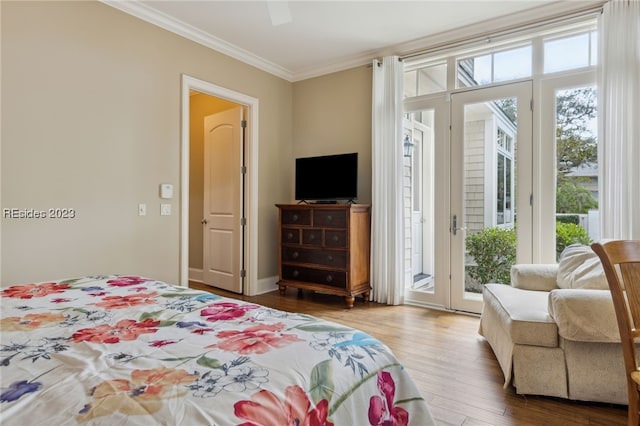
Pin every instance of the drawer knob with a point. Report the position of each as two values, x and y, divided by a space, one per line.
329 278
295 273
329 218
290 236
335 238
312 237
295 254
295 217
330 258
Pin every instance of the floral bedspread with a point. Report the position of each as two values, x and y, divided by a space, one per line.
126 350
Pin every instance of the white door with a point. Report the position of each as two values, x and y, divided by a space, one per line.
491 188
223 188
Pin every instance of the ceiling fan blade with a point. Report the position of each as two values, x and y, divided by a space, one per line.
279 12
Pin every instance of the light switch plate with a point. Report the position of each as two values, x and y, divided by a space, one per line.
166 190
142 209
165 209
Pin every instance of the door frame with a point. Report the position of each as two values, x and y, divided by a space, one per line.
250 198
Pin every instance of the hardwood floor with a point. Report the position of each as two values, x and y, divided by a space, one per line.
452 365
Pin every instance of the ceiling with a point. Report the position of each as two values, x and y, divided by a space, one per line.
301 39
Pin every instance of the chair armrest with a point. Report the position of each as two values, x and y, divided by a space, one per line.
584 315
540 277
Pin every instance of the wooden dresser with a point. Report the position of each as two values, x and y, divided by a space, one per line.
325 248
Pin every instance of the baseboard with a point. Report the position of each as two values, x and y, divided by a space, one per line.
196 275
266 285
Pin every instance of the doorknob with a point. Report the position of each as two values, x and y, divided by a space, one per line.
204 221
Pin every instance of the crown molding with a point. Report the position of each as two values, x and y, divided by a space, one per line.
556 10
148 14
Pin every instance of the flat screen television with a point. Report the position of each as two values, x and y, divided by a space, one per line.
327 178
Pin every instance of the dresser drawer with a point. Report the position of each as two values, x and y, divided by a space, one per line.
312 237
290 236
330 278
296 217
333 258
335 238
330 218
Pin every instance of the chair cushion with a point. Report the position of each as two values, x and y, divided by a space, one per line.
524 314
584 315
580 267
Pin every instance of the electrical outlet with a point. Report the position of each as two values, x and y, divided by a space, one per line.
142 209
165 209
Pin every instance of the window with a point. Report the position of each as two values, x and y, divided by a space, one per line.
504 181
571 52
425 79
561 61
505 65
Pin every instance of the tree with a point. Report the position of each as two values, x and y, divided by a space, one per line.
576 146
575 142
572 198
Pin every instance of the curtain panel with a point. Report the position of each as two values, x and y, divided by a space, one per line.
619 119
387 235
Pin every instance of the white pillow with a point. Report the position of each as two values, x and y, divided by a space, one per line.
580 267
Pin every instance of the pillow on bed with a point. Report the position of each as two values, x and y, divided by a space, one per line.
580 267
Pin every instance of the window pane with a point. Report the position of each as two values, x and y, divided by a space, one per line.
432 79
424 80
500 200
512 64
410 83
493 67
419 207
482 69
577 168
566 53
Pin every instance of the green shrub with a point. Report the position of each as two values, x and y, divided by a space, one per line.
568 218
569 233
494 251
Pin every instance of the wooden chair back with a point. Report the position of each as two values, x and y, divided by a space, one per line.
621 262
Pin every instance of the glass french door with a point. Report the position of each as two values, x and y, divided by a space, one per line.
426 192
490 223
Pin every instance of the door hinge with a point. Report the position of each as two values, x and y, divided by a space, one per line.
243 124
531 105
243 273
243 221
531 199
243 170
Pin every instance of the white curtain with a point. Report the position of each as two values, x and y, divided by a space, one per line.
387 236
619 119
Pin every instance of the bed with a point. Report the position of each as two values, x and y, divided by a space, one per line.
128 350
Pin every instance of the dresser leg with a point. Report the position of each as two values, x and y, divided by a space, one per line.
349 300
366 295
282 289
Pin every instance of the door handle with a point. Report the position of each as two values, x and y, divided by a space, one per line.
454 226
204 221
